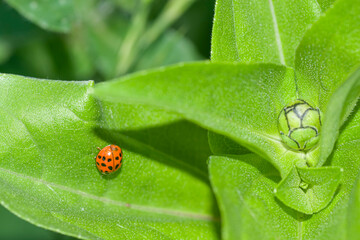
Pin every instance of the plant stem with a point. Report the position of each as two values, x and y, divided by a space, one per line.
128 51
139 38
172 11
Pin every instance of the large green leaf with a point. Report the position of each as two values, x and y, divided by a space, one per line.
48 176
325 58
159 130
340 105
57 16
238 100
260 31
333 221
328 53
244 186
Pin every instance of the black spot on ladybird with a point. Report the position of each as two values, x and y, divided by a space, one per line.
103 158
117 158
103 164
97 163
109 159
99 157
117 165
110 167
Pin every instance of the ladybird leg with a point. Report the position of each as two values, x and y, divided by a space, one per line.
98 148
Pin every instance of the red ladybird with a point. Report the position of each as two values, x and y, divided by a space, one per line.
109 159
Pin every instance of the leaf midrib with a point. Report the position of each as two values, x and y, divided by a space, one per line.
234 29
277 33
137 207
143 208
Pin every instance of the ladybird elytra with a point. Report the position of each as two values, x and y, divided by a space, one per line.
109 159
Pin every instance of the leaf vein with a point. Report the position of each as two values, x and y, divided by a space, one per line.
234 28
156 210
277 33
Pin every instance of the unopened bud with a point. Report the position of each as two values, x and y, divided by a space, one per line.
299 125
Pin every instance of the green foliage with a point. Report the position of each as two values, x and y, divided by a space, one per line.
260 31
277 172
340 106
229 99
57 16
101 41
244 188
220 100
309 190
328 53
52 180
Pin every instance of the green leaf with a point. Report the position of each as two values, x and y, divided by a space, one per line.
48 174
328 53
333 222
309 190
340 104
244 188
220 144
59 16
237 100
162 131
260 31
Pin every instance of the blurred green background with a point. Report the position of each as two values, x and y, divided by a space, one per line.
111 38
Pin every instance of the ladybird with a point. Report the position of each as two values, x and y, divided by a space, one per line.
109 159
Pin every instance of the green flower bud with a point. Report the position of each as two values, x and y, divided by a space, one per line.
299 125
